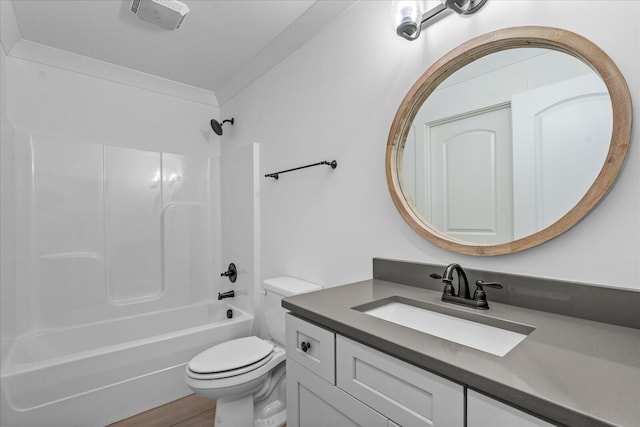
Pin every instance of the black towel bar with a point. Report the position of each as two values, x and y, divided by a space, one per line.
332 163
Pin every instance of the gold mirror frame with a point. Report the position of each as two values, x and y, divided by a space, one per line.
511 38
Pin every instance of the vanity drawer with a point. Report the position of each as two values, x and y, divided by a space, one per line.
311 346
404 393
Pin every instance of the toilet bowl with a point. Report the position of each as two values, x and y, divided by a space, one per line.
246 375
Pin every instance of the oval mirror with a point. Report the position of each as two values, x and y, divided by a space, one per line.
508 140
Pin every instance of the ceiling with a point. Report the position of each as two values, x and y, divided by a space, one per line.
221 46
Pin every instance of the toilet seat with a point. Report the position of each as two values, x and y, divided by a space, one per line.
234 378
231 358
231 355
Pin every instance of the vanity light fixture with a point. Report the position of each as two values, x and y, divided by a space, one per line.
409 19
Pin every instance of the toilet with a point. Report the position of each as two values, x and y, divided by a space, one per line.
247 375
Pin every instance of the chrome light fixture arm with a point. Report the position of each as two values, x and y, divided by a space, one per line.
410 30
465 7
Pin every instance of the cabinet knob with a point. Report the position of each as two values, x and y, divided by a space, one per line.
305 346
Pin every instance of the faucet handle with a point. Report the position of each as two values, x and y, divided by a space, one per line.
231 273
479 294
481 283
448 286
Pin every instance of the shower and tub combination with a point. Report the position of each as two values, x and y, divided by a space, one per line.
115 290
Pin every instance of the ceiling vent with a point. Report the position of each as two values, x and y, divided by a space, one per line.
168 14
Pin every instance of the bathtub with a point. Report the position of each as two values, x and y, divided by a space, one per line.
95 374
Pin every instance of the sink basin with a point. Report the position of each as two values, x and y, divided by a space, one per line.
483 333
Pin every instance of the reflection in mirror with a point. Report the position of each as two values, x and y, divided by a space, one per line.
507 145
509 140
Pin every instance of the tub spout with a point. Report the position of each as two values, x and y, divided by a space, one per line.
224 295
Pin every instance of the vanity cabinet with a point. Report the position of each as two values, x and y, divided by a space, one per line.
358 385
335 381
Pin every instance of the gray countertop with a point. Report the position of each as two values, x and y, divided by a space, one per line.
568 370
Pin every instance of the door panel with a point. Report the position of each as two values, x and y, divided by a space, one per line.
470 174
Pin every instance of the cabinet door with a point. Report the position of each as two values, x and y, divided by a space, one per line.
313 402
404 393
483 411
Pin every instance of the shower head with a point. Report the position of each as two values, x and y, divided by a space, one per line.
217 126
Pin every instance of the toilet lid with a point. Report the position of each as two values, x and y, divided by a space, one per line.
231 355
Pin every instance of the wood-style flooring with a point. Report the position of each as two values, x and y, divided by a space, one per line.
190 411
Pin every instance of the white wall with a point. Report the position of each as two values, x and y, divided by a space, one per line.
54 97
335 98
240 223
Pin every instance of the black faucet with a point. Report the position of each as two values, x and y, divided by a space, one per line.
463 296
463 283
229 294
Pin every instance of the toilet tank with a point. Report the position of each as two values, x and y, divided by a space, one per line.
275 289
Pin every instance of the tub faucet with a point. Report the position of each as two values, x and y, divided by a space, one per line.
463 296
229 294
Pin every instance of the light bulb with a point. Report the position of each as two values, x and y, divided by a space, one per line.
407 16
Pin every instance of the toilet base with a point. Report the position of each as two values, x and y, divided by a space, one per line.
232 412
240 412
271 402
277 420
259 402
